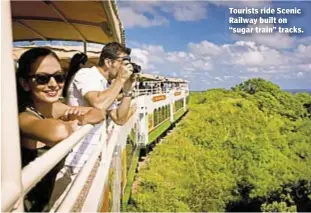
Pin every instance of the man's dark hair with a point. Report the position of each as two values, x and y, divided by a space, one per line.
111 51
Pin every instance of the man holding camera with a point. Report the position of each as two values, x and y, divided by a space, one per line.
100 85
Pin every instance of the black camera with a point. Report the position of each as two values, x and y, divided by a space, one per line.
136 68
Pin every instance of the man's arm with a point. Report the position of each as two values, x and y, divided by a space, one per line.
122 114
104 99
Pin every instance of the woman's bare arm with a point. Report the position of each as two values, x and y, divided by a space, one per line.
85 115
48 131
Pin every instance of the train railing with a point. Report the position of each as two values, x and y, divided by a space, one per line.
149 91
10 147
85 193
100 157
99 163
36 170
158 90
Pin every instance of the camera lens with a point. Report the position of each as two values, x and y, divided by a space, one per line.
136 68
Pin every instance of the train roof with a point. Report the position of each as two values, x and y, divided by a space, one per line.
88 21
152 77
84 21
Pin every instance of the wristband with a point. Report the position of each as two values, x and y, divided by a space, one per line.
127 94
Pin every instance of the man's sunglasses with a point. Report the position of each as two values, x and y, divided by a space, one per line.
45 78
125 58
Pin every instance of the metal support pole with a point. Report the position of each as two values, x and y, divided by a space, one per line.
116 201
171 96
85 47
11 183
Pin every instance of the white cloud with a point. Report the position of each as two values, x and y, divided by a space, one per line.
156 53
152 13
253 69
304 40
201 65
157 72
305 67
141 57
147 55
187 11
244 78
173 58
250 54
274 40
249 58
232 64
218 78
154 48
242 3
190 69
131 18
204 48
227 77
304 50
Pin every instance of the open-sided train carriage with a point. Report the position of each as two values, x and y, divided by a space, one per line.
103 181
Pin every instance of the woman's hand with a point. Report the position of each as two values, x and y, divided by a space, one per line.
73 113
84 115
93 116
72 125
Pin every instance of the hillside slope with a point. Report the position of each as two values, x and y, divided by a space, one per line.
245 149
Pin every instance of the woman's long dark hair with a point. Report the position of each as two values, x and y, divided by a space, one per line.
25 63
74 66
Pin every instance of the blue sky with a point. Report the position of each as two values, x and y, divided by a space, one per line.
191 40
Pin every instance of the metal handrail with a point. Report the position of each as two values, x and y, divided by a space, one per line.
158 90
43 164
11 185
38 168
107 150
74 192
104 151
151 91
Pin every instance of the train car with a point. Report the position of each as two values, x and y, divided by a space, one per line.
162 101
102 170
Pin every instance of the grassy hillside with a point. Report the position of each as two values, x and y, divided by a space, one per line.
245 149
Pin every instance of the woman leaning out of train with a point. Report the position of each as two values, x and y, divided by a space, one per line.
43 120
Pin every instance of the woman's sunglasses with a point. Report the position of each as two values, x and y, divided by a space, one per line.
45 78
